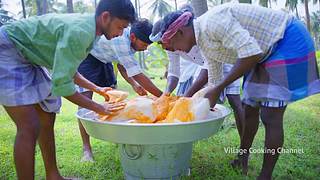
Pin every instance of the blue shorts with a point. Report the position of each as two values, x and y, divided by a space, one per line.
97 72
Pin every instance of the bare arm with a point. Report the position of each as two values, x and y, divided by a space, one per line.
198 84
83 82
147 84
87 103
239 69
172 83
124 74
136 87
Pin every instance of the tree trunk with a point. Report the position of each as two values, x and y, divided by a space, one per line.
297 13
23 9
70 6
306 6
199 6
175 5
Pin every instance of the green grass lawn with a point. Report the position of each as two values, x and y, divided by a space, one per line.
209 161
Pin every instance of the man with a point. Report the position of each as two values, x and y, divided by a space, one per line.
196 62
271 48
120 49
59 43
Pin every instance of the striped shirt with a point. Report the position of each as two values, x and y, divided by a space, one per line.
234 31
117 49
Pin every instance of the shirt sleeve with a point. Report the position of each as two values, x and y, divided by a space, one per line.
70 51
174 64
126 56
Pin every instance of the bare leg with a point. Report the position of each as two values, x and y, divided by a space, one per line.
249 131
47 144
28 127
87 151
236 105
272 119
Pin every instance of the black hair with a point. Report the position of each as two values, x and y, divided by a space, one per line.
122 9
171 17
142 29
157 27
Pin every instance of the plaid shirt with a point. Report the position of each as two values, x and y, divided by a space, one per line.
234 31
117 49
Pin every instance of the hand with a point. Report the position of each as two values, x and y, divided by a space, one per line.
103 92
110 108
213 95
166 94
139 90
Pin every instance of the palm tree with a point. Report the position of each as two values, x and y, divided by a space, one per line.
293 6
69 6
160 8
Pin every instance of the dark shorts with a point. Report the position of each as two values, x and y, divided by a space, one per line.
98 72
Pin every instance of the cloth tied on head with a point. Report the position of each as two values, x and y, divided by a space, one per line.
175 26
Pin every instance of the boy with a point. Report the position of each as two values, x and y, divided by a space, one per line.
59 43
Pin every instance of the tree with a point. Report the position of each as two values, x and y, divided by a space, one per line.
69 6
160 8
317 1
39 7
306 7
199 6
175 5
263 3
23 9
293 6
246 1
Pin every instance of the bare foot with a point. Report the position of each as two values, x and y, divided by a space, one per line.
87 157
241 162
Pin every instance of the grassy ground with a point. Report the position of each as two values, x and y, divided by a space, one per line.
209 161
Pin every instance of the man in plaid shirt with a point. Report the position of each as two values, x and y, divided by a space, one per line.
272 49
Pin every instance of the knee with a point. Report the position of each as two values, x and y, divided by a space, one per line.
272 117
235 102
29 129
